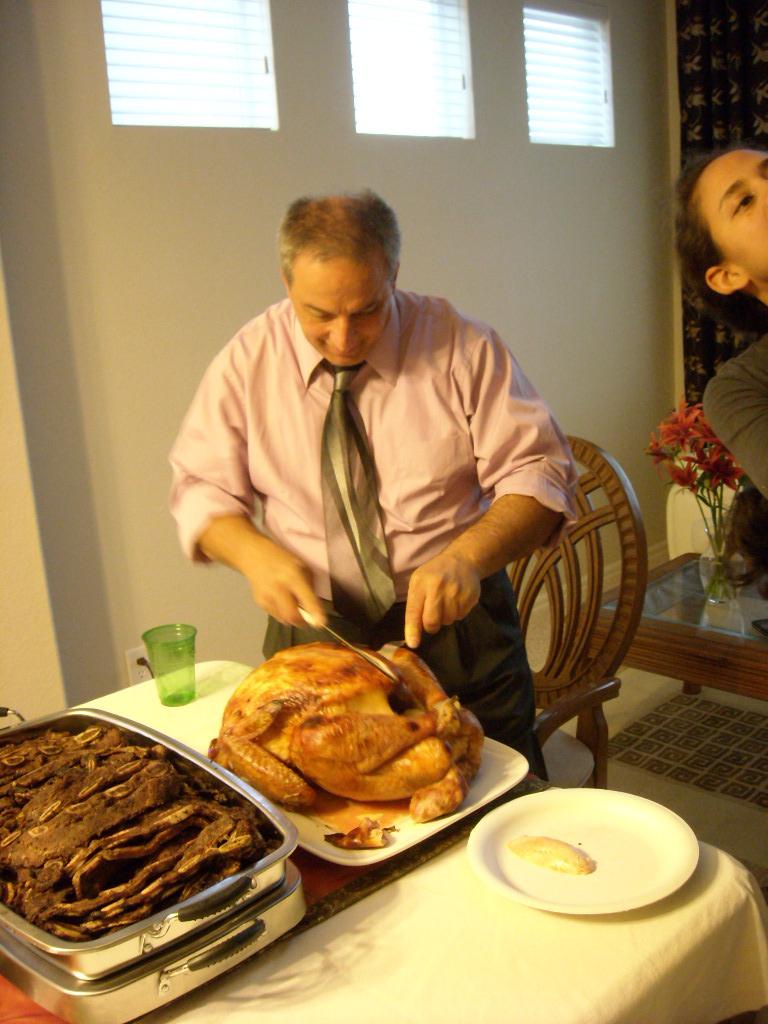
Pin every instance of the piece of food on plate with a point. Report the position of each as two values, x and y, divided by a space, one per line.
368 835
553 854
319 715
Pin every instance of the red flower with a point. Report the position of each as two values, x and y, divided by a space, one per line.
656 451
687 448
681 426
684 476
722 470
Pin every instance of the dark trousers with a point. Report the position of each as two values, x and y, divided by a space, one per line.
481 660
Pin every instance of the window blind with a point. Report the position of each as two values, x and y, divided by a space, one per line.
411 68
190 62
568 78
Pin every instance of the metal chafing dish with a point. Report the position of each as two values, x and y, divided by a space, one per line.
151 983
194 939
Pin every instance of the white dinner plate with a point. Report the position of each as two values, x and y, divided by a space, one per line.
643 851
501 768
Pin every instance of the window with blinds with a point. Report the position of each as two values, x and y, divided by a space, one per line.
411 68
568 76
205 63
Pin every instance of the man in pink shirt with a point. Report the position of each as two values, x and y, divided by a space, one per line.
472 470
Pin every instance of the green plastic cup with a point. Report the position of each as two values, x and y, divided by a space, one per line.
171 654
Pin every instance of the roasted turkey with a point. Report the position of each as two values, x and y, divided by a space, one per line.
319 715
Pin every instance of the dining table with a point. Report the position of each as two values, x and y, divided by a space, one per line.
422 936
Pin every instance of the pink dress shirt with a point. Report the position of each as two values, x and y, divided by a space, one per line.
451 420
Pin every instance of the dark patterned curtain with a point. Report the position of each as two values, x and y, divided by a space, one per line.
722 65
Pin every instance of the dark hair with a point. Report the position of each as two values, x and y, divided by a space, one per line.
748 536
697 252
352 225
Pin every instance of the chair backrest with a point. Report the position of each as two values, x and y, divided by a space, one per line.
567 587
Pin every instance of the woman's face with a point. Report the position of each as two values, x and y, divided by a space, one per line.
732 195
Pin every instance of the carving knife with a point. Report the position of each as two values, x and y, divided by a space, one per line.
369 656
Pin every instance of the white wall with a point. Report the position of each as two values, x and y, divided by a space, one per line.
30 674
133 254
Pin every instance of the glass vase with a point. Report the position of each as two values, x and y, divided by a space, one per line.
713 567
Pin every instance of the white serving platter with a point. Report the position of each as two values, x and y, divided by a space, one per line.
500 769
643 850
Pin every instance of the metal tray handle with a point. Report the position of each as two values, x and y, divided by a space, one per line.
213 903
226 949
229 947
10 712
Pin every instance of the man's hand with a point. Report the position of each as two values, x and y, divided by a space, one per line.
280 581
447 587
440 592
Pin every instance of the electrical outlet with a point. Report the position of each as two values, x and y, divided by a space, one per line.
137 665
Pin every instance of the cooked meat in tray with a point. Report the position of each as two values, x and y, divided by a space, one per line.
147 985
115 840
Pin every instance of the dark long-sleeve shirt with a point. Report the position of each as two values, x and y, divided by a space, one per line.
736 404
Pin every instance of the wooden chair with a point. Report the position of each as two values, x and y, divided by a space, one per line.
565 589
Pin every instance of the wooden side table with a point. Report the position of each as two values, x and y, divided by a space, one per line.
682 636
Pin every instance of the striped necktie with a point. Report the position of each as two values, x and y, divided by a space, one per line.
361 579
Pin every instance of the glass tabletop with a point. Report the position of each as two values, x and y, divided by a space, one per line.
678 596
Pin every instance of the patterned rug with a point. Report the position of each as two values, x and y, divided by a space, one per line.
702 743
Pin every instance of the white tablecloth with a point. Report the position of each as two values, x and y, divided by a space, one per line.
440 945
